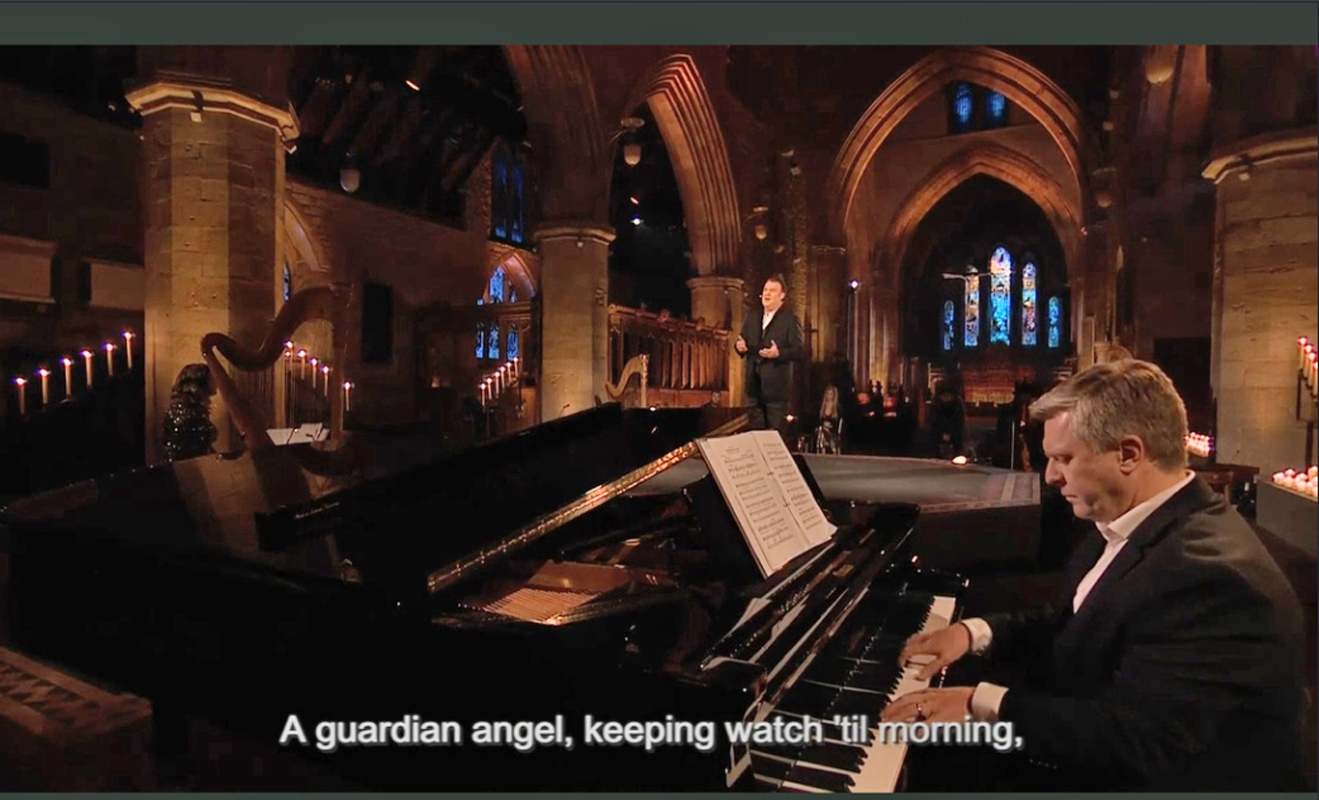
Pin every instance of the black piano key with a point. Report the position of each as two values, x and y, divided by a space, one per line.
820 778
772 769
831 754
876 677
850 702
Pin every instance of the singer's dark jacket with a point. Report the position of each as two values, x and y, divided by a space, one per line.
775 374
1181 669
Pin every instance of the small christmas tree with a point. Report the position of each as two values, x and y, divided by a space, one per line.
188 429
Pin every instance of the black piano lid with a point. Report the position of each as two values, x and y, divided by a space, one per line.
397 528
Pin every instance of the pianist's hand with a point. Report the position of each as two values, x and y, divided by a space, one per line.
946 645
930 705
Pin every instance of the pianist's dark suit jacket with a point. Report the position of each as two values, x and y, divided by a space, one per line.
1181 669
775 374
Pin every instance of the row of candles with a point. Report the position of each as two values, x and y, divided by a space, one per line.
318 367
1306 483
43 373
1308 364
1199 444
499 381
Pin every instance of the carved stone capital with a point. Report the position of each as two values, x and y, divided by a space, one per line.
201 98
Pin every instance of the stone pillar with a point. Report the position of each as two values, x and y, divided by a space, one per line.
718 300
885 366
574 348
1266 276
213 164
829 318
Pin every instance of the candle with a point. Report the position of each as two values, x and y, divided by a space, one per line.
128 348
314 362
109 358
325 373
302 364
68 376
45 386
87 359
22 396
1300 348
347 395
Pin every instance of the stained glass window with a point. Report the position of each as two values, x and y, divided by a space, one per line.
480 340
996 109
497 286
499 198
1029 313
512 293
962 107
949 317
492 343
1055 321
1000 297
515 206
288 282
512 351
971 336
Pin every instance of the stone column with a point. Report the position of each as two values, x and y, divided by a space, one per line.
574 351
885 365
829 318
213 162
718 300
1266 276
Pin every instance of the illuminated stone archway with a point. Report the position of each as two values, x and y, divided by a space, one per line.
680 103
1022 84
993 161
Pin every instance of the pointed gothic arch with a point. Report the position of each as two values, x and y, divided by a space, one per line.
1021 83
680 103
994 161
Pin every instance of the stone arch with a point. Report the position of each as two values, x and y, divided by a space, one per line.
680 103
306 252
1023 84
517 269
994 161
567 137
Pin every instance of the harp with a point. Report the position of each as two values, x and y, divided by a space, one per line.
329 303
639 366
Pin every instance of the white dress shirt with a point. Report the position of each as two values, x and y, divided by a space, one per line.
765 319
988 697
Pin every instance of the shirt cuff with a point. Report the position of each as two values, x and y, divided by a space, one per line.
986 700
981 634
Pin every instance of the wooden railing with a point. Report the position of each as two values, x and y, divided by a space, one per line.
688 360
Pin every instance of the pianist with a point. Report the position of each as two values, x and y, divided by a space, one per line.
1171 658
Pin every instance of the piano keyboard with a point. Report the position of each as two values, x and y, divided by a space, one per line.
857 673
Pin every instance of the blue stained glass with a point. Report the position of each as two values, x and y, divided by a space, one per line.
512 352
288 282
962 105
515 207
971 336
949 316
1055 321
997 106
492 342
480 340
1000 297
512 294
497 286
499 199
1029 313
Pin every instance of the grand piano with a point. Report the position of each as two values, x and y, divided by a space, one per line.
527 578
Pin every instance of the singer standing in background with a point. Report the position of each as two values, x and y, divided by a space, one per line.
770 342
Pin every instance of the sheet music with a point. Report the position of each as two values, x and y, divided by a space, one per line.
763 489
801 502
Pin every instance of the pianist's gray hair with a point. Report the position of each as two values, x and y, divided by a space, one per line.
1121 398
